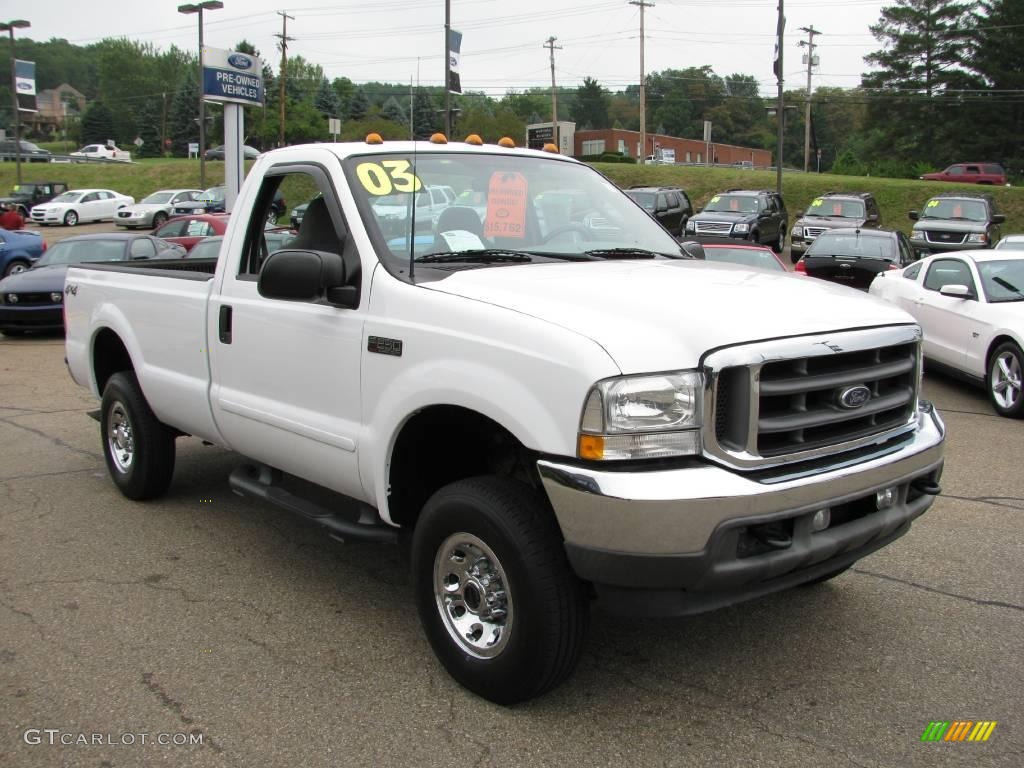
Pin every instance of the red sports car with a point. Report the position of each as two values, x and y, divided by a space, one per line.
186 231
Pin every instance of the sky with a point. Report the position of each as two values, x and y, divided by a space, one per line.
503 43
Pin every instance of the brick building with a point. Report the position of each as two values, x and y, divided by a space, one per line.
687 150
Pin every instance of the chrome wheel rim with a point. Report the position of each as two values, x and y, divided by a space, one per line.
1005 380
120 437
472 595
16 269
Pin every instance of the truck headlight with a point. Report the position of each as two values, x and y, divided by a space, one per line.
977 237
642 417
741 229
691 226
797 232
917 235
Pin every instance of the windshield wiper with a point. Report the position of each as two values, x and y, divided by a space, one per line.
478 256
630 253
1008 285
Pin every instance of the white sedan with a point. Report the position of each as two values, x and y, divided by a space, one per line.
81 205
970 305
155 209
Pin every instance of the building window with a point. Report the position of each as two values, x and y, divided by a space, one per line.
687 157
594 147
622 147
698 157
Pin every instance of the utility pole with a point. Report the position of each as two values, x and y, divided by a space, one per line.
643 88
780 104
809 42
447 66
10 26
284 67
550 45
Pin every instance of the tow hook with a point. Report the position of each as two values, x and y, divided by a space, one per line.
926 486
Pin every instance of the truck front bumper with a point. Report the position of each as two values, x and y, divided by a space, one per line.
692 539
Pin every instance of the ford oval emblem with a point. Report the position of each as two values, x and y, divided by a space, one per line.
239 61
854 397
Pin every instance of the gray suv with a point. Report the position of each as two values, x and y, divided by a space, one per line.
833 210
956 221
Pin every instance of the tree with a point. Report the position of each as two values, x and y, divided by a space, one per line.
97 124
425 119
182 122
148 121
395 112
997 59
326 100
358 105
590 108
927 44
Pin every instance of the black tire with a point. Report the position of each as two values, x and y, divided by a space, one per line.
17 265
794 256
149 467
755 237
827 576
780 246
159 218
70 219
547 610
1003 380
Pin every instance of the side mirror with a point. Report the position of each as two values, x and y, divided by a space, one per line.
692 249
998 218
698 210
913 215
872 217
799 214
956 291
293 275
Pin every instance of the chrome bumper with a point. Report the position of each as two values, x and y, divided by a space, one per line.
677 511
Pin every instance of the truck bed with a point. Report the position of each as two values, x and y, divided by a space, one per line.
181 269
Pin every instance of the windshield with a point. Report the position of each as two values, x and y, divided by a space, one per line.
856 246
1003 280
158 198
535 207
23 189
67 197
1008 244
644 199
844 209
206 249
732 203
943 208
748 257
212 195
82 251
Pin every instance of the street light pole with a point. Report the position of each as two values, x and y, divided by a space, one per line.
10 26
198 8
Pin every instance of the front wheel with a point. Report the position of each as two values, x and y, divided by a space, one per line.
1004 380
780 246
158 219
15 267
138 449
70 218
498 600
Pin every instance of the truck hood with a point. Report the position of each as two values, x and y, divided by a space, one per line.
951 225
723 216
829 222
663 315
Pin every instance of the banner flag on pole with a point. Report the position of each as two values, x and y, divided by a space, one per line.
25 82
454 51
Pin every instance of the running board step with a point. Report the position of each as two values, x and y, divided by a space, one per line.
262 482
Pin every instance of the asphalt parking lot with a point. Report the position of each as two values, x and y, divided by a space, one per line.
220 619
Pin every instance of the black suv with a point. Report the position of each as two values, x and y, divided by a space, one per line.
669 205
25 196
956 221
833 210
757 215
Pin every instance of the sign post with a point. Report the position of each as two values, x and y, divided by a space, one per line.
235 79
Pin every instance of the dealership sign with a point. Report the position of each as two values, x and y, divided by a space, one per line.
232 76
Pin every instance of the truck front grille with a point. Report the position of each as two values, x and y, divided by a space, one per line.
775 402
812 232
713 227
943 238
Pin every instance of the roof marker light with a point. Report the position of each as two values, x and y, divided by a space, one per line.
438 138
374 138
549 147
475 140
505 141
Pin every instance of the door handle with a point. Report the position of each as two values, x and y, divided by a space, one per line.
225 324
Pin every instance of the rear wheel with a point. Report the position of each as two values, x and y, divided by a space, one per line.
70 218
1004 380
138 448
158 219
15 267
499 603
780 246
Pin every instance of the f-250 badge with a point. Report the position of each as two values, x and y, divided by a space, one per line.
71 290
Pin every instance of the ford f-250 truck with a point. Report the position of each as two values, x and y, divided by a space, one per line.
551 402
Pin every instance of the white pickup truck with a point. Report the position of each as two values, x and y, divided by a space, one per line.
553 403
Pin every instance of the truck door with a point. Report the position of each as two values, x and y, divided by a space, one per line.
285 373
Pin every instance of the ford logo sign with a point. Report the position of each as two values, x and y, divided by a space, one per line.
854 397
240 61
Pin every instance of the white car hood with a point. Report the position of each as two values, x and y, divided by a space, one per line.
662 315
52 206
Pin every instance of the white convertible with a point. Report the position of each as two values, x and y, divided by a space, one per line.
971 308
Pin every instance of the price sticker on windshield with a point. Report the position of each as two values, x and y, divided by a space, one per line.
387 176
817 202
715 199
932 204
506 206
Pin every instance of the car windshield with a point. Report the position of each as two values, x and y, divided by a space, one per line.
1011 244
952 208
732 203
1003 280
158 198
748 257
535 207
206 249
82 251
23 189
212 195
67 197
844 209
854 246
644 199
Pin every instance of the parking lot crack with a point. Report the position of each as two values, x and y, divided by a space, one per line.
52 438
935 590
178 709
1008 502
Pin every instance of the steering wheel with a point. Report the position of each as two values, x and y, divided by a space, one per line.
586 232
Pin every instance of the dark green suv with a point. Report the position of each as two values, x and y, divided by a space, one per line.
754 215
833 210
956 221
